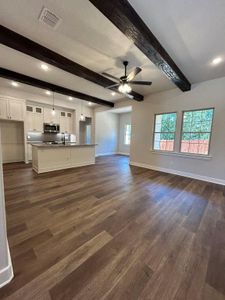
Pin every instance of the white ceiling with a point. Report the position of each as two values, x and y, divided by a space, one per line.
84 36
121 110
191 31
31 93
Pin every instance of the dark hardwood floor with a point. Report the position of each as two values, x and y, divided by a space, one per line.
111 231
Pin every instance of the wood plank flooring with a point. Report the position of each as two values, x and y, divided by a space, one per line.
111 231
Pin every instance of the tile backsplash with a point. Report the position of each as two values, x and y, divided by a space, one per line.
49 137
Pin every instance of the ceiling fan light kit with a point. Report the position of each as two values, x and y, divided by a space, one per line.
124 82
124 88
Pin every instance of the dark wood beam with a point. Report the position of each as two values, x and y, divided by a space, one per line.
51 87
20 43
125 18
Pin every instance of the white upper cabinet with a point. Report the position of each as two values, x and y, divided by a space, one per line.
35 118
66 122
16 110
49 117
3 109
12 109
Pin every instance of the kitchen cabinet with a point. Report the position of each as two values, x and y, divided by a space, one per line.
35 118
3 109
16 110
29 152
55 157
66 122
12 109
49 117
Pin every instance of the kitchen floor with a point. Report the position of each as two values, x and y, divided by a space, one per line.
111 231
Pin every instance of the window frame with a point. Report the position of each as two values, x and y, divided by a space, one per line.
124 134
210 133
175 132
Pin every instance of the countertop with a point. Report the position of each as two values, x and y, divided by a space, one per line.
43 145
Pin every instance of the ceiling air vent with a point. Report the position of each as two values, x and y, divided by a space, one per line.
47 17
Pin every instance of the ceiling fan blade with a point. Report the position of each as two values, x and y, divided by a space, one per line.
134 73
140 82
111 86
110 76
129 96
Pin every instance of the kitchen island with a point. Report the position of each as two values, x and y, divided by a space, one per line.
47 158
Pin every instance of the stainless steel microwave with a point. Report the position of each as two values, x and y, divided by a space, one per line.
51 128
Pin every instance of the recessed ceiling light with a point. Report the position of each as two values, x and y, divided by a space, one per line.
70 98
90 103
113 93
48 92
44 67
217 61
13 83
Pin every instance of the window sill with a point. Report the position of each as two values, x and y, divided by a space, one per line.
178 154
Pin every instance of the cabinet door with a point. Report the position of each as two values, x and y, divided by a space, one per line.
38 119
56 117
29 152
16 110
3 109
70 122
49 117
63 125
30 121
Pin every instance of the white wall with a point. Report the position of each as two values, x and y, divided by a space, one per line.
106 133
123 120
6 272
203 95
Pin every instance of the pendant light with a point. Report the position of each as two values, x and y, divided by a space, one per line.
53 104
82 117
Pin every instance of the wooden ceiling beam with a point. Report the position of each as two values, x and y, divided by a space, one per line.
11 75
20 43
125 18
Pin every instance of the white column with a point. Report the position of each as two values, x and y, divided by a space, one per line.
6 271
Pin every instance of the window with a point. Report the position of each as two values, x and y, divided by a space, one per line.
196 131
164 132
127 134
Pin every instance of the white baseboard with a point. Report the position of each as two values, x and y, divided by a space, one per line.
180 173
123 153
6 274
105 154
62 167
112 153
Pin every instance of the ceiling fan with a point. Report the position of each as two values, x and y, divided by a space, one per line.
124 82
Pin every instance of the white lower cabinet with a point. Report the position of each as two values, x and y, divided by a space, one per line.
29 152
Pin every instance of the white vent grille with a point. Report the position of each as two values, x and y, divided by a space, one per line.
49 18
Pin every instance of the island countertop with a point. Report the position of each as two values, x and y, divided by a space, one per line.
43 145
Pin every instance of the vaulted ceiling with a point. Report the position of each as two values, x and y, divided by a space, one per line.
191 32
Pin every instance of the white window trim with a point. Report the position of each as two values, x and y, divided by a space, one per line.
175 133
124 135
207 156
180 154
